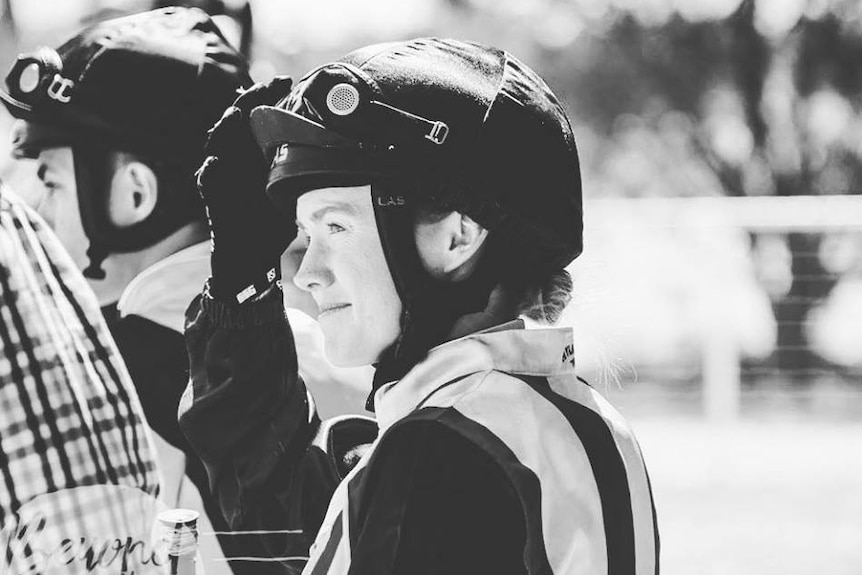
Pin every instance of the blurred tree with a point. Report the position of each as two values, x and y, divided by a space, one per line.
6 17
8 30
699 97
669 97
760 93
740 97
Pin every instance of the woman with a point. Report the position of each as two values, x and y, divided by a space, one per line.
436 187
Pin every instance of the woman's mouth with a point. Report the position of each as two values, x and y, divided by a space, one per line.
330 309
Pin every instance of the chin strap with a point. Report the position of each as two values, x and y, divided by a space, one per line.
97 255
430 307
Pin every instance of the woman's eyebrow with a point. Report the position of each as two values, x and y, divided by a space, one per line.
338 207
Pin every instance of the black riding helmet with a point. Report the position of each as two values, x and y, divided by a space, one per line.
151 84
441 123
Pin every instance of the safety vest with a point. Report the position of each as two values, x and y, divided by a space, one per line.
574 461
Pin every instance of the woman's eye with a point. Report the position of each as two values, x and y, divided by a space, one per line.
334 228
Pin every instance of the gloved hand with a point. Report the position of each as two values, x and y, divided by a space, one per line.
248 236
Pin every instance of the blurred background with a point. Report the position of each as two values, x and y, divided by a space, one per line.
719 298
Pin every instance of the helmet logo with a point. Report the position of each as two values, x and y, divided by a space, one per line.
342 99
569 355
59 89
280 155
391 201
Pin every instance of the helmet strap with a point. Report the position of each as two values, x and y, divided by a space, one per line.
93 175
93 188
430 307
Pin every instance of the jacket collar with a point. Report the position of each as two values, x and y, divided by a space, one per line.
162 292
508 348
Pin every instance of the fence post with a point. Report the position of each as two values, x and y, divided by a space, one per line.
721 375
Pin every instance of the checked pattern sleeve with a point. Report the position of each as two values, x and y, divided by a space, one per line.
70 415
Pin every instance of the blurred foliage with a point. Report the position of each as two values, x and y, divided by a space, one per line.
748 97
762 100
668 97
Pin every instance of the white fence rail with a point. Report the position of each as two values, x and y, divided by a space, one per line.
669 277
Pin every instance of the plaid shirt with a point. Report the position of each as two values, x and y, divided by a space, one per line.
70 421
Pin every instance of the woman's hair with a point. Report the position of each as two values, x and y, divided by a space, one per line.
544 301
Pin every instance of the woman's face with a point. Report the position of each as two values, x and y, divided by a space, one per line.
344 269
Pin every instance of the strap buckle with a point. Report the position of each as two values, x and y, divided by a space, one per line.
439 132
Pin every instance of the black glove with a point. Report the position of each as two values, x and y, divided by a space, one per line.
248 237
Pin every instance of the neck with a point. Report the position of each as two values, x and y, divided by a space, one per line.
122 268
501 308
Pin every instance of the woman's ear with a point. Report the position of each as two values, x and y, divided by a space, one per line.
449 245
134 192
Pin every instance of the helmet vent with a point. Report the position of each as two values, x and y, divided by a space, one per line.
29 79
342 99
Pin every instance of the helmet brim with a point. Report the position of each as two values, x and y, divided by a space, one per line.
30 137
273 127
15 107
306 155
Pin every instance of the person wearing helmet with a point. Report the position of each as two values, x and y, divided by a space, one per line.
66 472
435 186
116 119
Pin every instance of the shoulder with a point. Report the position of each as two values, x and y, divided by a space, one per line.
434 434
535 422
431 457
441 446
456 507
510 404
162 292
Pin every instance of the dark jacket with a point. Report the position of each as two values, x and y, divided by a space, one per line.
491 457
147 324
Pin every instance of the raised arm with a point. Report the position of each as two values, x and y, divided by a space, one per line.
246 411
